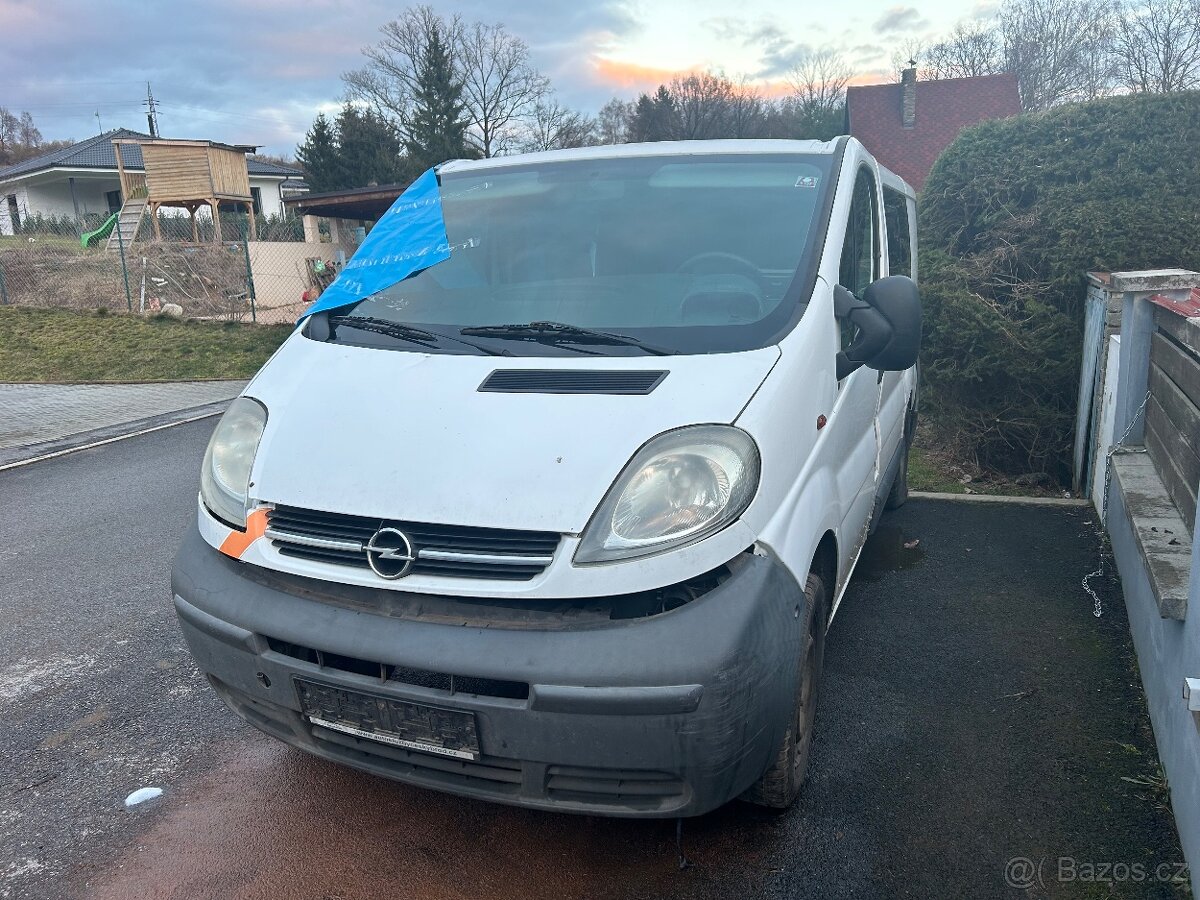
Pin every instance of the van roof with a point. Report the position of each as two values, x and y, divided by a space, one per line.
657 148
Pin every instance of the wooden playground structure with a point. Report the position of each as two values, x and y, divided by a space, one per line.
187 175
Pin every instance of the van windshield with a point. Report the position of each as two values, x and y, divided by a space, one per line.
679 254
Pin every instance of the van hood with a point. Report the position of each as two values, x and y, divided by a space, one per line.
410 436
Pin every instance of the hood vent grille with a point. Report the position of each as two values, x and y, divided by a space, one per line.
571 381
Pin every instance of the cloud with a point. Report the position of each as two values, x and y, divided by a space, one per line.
627 76
726 28
900 18
985 9
779 51
245 71
866 55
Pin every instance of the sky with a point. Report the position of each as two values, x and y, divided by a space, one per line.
258 71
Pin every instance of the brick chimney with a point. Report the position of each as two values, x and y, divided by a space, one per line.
908 102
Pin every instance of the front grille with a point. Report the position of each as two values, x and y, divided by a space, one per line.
495 776
451 551
570 787
386 672
573 787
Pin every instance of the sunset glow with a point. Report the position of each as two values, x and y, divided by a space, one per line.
213 88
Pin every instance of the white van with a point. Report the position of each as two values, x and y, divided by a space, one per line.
561 520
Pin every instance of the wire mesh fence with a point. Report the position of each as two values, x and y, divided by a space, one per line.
182 270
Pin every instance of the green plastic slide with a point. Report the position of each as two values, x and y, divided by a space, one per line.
100 233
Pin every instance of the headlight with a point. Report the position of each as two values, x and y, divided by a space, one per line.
680 487
225 477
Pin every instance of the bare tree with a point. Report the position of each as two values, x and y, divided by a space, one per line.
702 101
972 49
612 123
10 135
819 81
28 132
20 138
389 78
1157 46
556 127
746 117
500 84
1060 50
910 55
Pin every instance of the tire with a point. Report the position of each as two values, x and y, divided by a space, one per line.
781 783
898 495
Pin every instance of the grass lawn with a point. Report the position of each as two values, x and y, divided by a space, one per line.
55 345
58 240
932 470
925 473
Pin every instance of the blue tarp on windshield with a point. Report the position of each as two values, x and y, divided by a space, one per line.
410 237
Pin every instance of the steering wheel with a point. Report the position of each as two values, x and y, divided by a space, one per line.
729 264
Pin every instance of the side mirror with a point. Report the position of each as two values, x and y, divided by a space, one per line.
888 319
897 300
874 331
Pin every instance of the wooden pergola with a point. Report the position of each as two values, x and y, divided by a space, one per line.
188 175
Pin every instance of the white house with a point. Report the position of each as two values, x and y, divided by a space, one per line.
81 179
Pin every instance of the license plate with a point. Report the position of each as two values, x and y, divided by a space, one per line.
414 726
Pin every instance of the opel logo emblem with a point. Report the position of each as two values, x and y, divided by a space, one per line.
390 553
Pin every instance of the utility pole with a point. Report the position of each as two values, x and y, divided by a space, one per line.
99 124
151 111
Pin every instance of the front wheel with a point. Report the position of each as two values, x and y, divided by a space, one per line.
780 785
898 495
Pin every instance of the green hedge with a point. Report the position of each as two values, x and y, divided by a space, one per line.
1013 215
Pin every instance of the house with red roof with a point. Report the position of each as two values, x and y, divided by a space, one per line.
906 126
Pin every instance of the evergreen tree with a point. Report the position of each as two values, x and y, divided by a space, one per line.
655 118
319 157
369 149
436 123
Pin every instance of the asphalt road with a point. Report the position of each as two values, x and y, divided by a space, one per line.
974 710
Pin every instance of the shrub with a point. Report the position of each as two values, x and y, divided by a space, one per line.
1013 215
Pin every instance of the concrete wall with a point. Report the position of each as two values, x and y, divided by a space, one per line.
1108 412
1158 556
280 273
1168 651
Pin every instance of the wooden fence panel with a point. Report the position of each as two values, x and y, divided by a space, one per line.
1172 434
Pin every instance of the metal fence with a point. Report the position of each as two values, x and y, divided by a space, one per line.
52 262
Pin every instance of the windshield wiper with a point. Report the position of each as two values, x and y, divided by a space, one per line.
560 333
407 332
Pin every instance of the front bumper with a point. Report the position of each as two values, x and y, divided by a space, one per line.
666 715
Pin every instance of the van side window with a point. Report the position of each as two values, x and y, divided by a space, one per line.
860 257
899 237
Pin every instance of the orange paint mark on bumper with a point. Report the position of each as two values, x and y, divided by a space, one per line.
237 542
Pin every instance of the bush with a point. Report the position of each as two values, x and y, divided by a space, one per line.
43 225
1013 215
